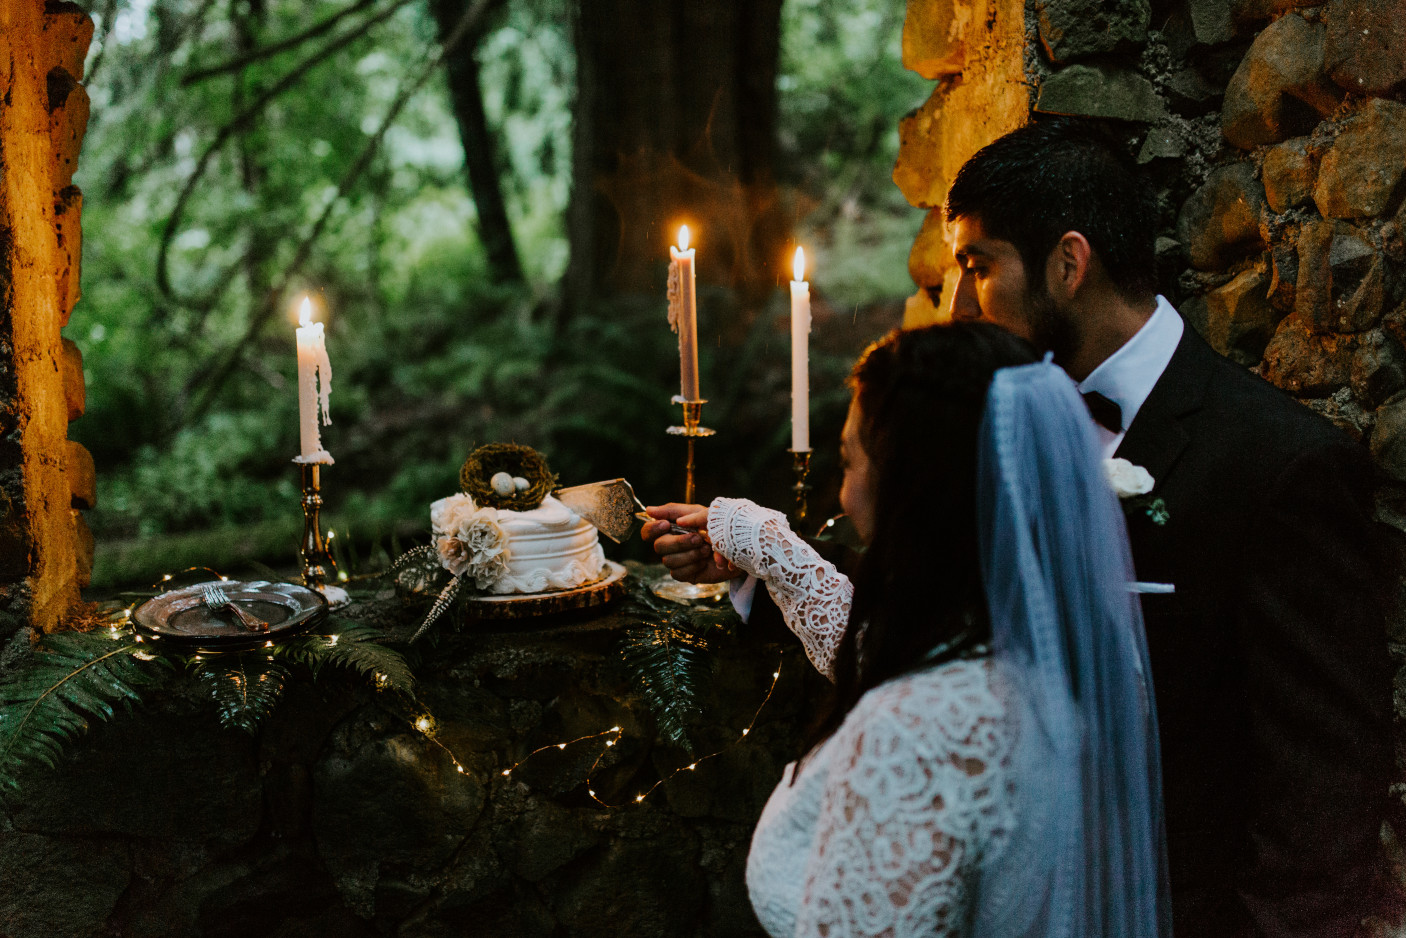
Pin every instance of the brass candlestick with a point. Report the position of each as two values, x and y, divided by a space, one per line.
318 564
692 429
800 465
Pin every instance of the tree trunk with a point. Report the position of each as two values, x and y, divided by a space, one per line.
480 151
675 123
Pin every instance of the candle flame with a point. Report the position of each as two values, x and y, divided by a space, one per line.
305 312
683 237
798 267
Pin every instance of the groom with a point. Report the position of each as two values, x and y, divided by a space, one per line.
1269 660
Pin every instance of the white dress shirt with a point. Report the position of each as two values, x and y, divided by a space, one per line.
1126 377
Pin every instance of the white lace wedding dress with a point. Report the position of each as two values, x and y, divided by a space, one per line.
890 822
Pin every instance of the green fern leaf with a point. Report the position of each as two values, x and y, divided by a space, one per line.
245 687
72 679
357 648
669 666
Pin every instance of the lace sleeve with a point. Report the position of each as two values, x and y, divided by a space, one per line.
812 595
914 804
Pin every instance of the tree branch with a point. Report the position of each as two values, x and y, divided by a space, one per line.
263 52
238 122
213 376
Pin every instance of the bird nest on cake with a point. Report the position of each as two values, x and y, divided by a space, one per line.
507 476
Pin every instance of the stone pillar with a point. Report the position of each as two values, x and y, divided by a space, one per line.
976 51
45 478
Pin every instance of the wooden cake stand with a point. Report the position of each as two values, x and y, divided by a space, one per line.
528 605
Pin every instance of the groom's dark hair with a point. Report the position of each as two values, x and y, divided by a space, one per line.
1063 174
921 394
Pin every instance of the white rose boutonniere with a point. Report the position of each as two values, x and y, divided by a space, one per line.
1133 485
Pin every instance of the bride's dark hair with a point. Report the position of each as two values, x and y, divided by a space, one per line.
921 394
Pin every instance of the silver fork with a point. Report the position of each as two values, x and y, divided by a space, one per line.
216 599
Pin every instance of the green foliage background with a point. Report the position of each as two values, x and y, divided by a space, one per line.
429 359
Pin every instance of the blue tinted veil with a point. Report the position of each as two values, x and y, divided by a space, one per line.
1087 857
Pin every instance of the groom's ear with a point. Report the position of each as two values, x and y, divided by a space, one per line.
1068 265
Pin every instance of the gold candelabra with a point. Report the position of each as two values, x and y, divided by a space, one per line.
318 565
692 429
800 465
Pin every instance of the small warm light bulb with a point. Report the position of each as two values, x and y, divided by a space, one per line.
507 771
268 644
683 238
692 767
746 731
610 742
615 729
591 793
798 266
424 724
165 577
331 534
561 745
332 640
776 674
224 578
639 798
459 767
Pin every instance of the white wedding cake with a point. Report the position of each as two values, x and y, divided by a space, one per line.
503 551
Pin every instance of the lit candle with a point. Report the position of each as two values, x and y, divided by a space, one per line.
314 386
683 314
800 356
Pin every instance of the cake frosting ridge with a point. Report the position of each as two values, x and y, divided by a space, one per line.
549 548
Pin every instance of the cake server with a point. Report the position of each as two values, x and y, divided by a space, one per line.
612 507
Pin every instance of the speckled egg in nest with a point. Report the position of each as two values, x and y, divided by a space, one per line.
507 476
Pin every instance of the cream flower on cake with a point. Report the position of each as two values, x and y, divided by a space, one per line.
447 513
476 547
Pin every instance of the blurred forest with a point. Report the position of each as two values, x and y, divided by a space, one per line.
241 152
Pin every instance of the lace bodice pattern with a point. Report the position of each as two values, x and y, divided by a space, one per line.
890 822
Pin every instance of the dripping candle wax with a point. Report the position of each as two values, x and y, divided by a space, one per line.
800 356
314 386
683 314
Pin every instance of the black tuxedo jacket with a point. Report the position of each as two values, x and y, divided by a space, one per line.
1269 661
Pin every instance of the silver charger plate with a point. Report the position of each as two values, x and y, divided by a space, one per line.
180 619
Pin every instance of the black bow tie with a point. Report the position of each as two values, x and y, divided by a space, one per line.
1106 413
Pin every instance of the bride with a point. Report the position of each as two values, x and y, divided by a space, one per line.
990 765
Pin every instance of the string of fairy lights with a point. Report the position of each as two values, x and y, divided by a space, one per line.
427 726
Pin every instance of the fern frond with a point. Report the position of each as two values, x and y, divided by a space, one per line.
441 605
72 679
245 687
356 648
669 666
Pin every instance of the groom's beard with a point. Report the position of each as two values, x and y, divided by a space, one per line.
1050 327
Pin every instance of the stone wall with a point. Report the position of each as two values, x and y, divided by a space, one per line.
46 480
1275 131
341 819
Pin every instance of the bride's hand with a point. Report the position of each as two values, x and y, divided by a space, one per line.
689 557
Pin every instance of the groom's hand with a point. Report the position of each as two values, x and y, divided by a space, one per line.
688 557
